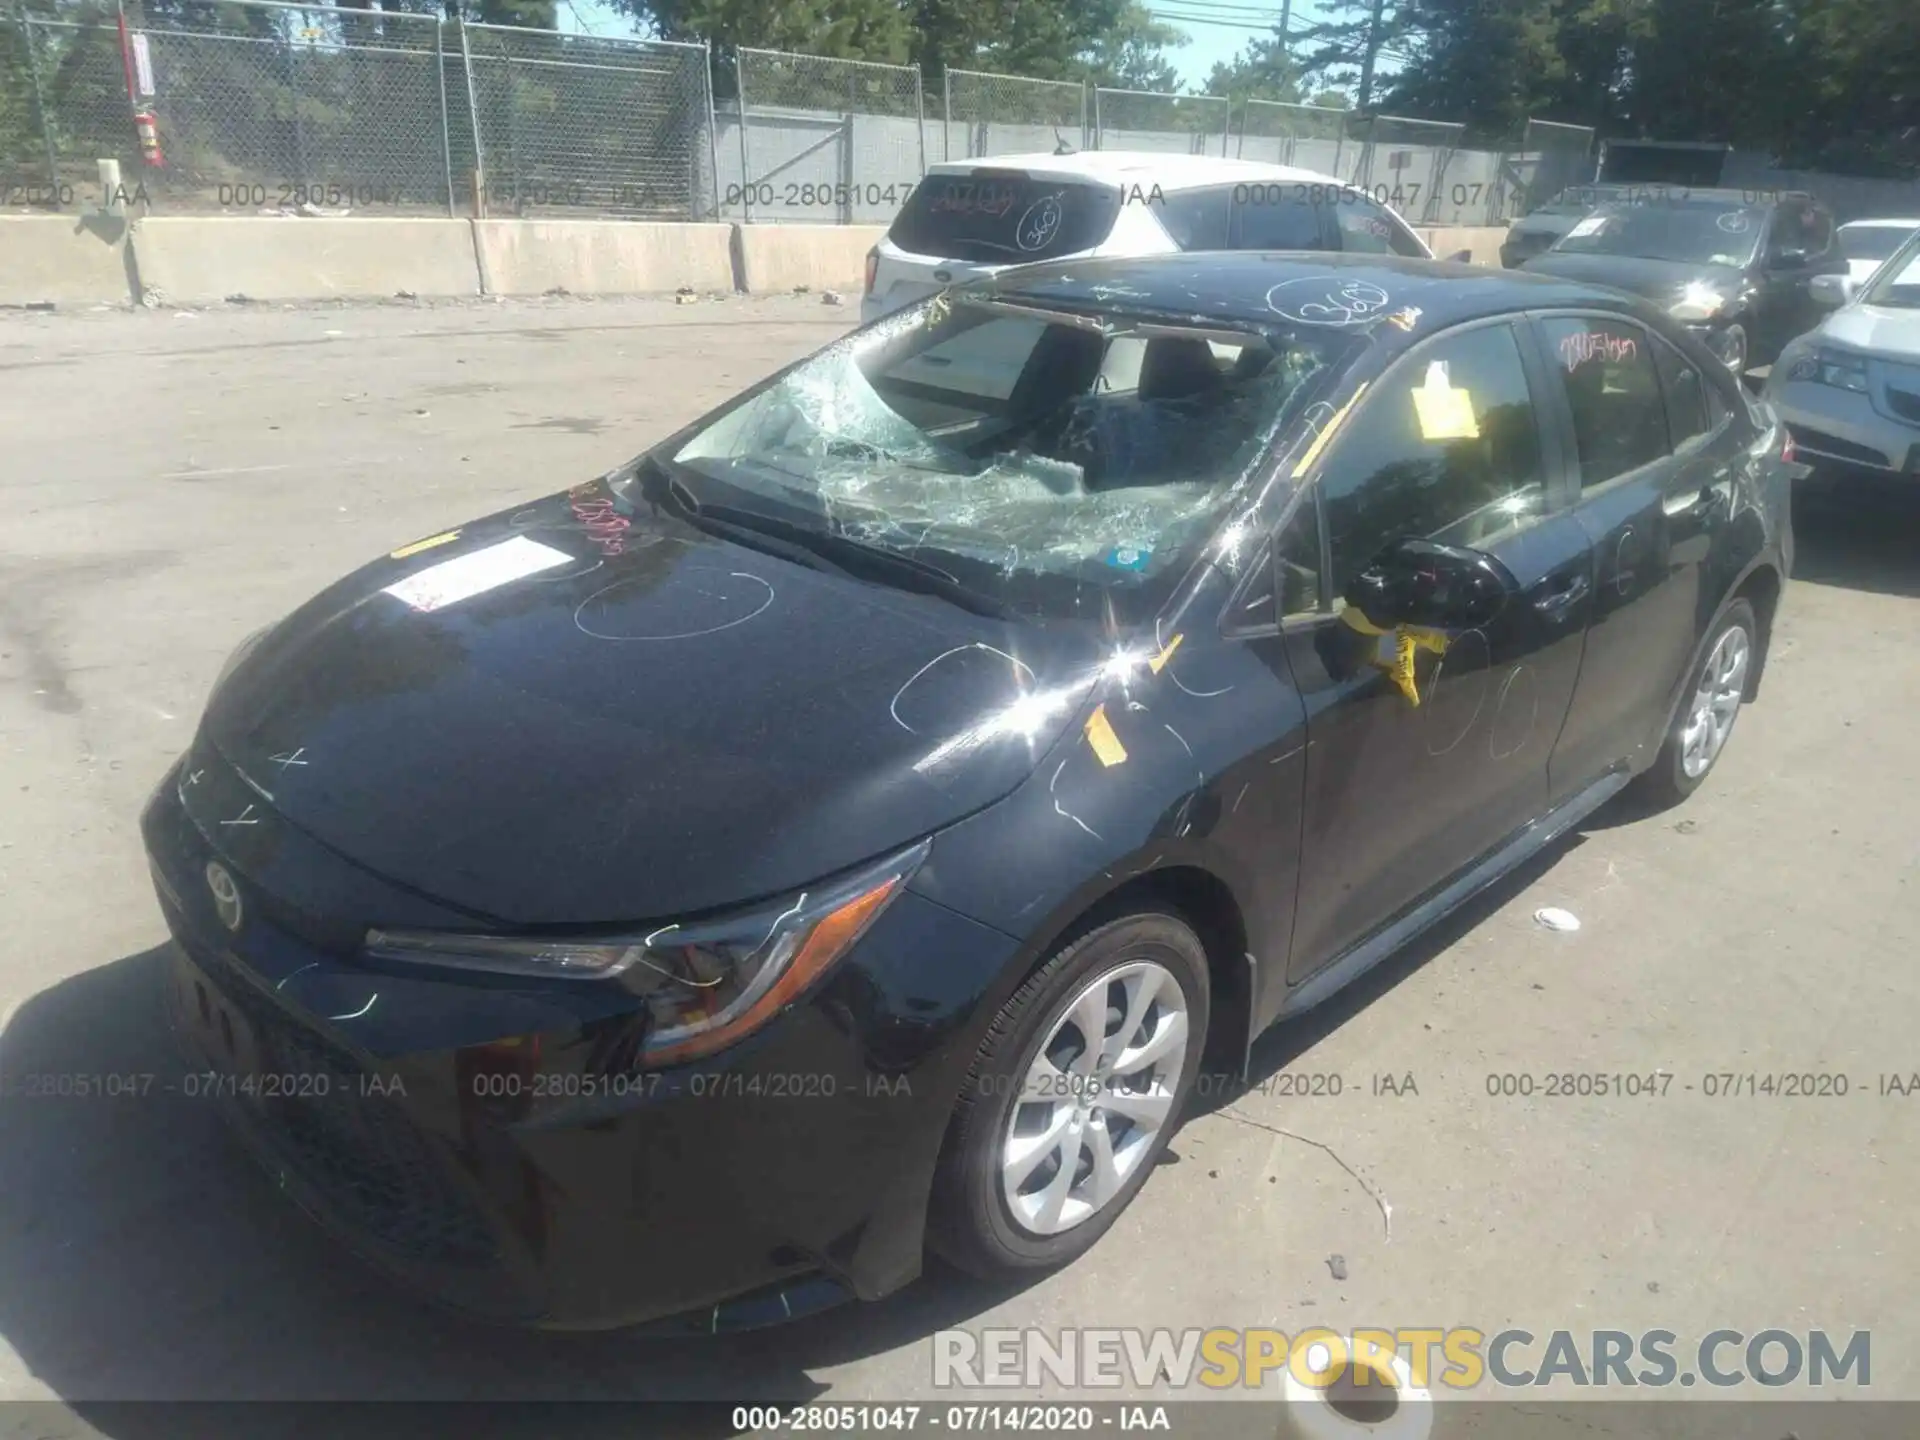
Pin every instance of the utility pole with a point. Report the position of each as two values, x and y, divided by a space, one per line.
1373 49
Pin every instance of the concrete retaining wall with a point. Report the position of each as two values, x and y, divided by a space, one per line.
601 257
203 261
56 259
776 258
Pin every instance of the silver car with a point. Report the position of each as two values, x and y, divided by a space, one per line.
1849 389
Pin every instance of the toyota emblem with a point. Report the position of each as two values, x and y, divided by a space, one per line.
226 895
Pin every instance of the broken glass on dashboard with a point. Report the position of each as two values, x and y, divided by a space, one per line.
1049 458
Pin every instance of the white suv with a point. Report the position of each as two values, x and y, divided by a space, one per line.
971 218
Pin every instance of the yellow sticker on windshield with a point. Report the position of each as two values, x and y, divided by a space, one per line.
1105 743
1445 413
445 537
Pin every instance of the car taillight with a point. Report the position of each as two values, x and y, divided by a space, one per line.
873 267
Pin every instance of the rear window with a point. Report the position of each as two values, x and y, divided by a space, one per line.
1004 217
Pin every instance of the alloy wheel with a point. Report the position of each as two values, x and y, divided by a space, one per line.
1099 1089
1716 703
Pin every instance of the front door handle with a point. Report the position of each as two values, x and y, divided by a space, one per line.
1556 605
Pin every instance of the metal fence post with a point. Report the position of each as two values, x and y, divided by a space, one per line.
746 163
1096 117
293 94
1085 137
920 121
713 121
40 106
446 129
473 116
946 113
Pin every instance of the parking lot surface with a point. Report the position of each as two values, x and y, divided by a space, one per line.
170 482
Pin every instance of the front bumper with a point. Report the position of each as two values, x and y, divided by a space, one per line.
1844 428
483 1141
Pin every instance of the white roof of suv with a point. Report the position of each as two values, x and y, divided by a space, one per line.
1169 171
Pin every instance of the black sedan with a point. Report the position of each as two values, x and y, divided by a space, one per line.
1734 266
856 825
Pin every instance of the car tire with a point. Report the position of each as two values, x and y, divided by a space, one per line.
972 1219
1731 347
1689 754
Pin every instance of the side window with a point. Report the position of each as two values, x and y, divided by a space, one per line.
1446 448
1274 215
1196 219
1366 228
1686 395
1619 417
1297 562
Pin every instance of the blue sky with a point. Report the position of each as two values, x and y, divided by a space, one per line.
1218 30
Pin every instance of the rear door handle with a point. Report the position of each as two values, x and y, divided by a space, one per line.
1557 604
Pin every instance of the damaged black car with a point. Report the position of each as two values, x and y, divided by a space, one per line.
854 827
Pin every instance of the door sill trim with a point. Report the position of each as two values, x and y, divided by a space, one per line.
1343 969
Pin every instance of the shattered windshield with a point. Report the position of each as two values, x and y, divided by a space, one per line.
1062 464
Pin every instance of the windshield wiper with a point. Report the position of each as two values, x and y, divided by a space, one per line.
822 549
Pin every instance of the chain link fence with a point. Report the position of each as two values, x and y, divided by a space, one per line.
822 140
988 114
1404 163
1310 137
259 106
571 123
254 107
1147 120
63 106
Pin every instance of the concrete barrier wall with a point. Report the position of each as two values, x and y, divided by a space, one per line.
55 259
203 261
776 258
1482 242
601 257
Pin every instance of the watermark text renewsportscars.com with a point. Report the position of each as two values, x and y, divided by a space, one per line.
1454 1358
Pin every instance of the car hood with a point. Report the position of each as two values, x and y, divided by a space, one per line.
1881 329
653 724
1660 280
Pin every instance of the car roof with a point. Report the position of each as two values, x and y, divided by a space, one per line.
1239 287
1145 168
1879 223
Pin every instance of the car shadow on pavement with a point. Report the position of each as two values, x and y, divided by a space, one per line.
145 1258
1274 1051
1862 535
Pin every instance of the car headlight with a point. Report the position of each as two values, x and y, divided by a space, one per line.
706 984
1837 368
1698 302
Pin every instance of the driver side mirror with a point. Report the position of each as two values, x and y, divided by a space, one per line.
1833 289
1434 586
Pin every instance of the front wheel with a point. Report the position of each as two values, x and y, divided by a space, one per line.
1072 1097
1704 722
1730 345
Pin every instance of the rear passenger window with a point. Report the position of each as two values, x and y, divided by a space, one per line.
1619 415
1196 219
1367 229
1686 395
1274 215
